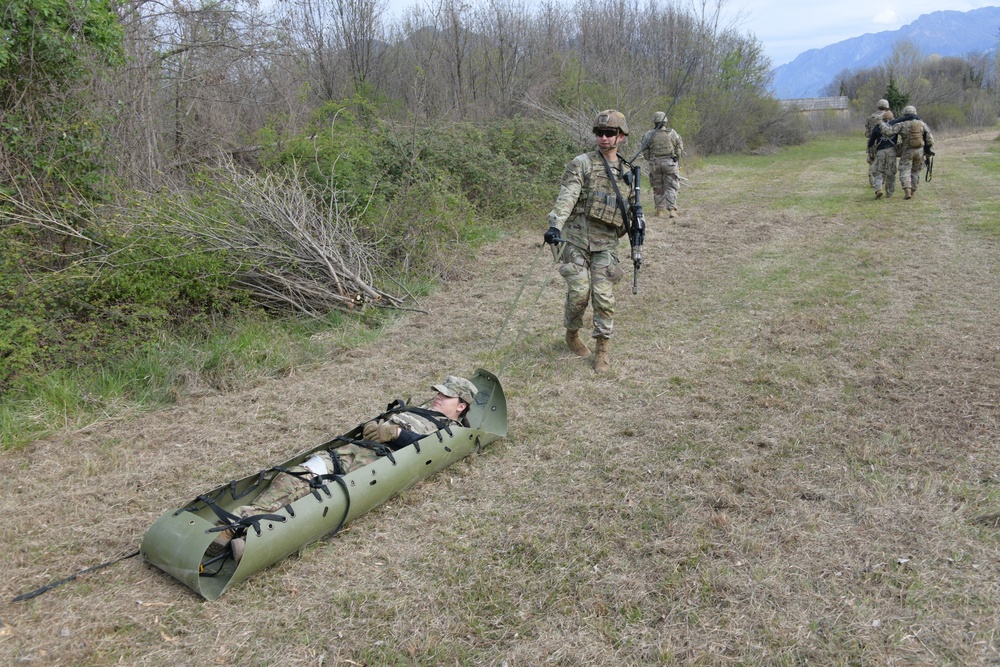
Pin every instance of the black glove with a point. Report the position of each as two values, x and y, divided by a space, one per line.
552 236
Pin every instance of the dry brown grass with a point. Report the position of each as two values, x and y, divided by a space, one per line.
793 461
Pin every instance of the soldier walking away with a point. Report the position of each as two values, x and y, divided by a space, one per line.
870 124
882 152
662 148
915 139
589 216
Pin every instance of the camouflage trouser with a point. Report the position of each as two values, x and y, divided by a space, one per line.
911 164
885 170
590 277
665 176
286 489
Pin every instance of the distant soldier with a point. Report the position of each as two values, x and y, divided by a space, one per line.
915 139
883 151
587 220
662 148
870 123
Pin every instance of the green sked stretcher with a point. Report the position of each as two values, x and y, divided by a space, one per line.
177 542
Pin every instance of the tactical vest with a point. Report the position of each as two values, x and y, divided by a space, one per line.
662 144
597 199
915 128
417 423
872 121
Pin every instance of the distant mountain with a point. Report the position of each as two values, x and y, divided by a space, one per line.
945 33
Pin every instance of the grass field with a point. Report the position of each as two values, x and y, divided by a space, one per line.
794 460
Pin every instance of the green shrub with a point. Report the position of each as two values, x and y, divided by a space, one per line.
112 299
426 226
429 188
51 135
941 115
336 151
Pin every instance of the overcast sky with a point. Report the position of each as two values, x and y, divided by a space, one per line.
787 28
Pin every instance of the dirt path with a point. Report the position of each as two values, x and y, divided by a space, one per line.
791 461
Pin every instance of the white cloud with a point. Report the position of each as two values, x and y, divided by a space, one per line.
887 17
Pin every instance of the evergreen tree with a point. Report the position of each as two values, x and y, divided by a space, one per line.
897 99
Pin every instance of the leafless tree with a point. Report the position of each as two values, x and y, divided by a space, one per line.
199 83
503 30
360 34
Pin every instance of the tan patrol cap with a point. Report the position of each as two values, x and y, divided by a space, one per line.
457 386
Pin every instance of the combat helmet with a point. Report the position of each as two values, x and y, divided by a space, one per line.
611 119
910 110
659 117
882 104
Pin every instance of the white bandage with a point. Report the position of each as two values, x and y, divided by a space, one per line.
316 465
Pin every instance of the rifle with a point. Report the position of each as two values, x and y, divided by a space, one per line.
636 231
929 161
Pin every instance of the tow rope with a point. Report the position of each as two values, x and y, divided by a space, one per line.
510 311
54 584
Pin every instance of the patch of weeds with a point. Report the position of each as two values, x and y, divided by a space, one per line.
19 425
655 514
382 654
989 223
682 386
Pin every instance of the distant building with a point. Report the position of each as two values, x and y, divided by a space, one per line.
822 113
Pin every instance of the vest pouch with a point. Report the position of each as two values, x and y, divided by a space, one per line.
916 136
603 207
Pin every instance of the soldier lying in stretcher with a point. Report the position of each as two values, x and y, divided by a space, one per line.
447 408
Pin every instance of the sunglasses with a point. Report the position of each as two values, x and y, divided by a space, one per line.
605 133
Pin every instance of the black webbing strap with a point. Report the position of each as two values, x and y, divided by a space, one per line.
250 489
230 520
439 420
339 479
210 501
54 584
378 448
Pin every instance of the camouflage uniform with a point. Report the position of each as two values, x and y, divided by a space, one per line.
663 147
914 138
870 124
884 149
591 222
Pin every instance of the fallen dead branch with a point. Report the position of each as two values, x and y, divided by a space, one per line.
295 246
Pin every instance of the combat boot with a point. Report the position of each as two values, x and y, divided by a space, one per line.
907 193
220 543
575 344
673 213
659 213
601 363
879 193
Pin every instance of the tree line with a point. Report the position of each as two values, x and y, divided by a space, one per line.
948 91
157 87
